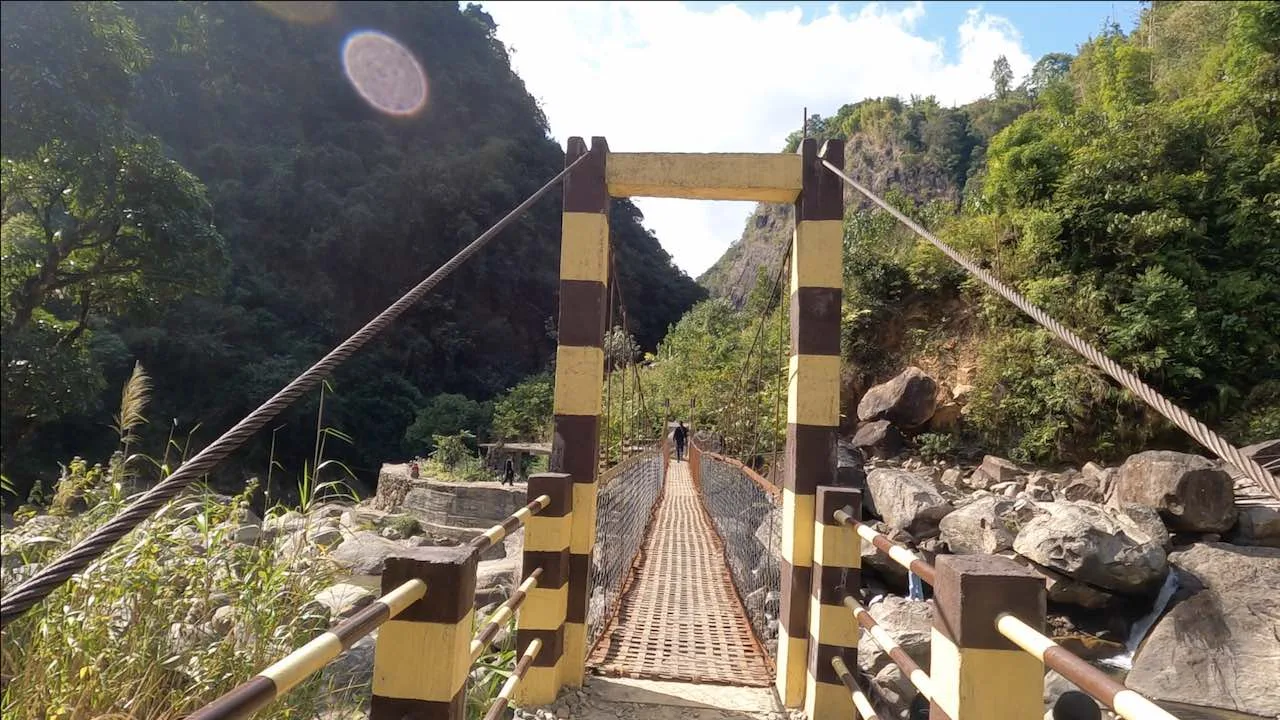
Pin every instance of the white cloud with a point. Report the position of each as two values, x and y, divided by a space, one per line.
660 76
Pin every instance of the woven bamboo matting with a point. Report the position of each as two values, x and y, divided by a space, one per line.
681 619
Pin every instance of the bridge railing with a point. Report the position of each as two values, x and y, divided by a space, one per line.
988 650
625 503
745 510
425 654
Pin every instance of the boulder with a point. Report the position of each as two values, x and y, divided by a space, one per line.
1149 521
1190 492
325 536
364 552
951 477
1221 647
986 525
344 599
906 501
878 438
907 401
994 470
1257 525
1085 542
910 622
1082 489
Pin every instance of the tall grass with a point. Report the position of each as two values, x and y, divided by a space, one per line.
174 614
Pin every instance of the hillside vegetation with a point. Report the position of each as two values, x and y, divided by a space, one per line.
198 186
1132 190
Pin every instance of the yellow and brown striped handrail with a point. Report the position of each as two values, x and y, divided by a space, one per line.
860 700
1126 703
495 534
282 676
910 669
896 552
503 614
503 700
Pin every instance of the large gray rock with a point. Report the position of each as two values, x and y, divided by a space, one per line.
906 501
907 401
344 599
1085 542
1190 492
1257 525
992 471
910 622
878 439
364 553
986 525
1221 647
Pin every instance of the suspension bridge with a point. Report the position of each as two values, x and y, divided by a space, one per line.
643 569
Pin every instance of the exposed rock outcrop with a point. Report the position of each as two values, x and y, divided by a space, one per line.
1220 647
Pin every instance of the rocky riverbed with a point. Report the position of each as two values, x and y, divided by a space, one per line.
1151 567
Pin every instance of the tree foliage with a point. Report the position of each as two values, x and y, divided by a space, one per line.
230 208
1134 196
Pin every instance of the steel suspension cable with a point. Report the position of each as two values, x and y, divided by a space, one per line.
1184 420
746 362
86 551
626 329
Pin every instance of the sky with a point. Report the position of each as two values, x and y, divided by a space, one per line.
736 77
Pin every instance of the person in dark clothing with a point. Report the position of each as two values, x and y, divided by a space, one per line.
682 437
509 473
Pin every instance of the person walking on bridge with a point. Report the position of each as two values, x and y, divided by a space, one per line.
682 437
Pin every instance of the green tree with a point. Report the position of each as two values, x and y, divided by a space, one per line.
447 414
525 411
1001 76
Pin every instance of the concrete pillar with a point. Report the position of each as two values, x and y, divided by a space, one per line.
584 279
833 630
542 617
813 398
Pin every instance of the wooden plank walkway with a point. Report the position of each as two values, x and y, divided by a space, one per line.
681 618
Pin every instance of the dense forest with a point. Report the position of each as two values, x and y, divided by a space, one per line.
197 187
1132 190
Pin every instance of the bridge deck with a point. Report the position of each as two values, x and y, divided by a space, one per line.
681 618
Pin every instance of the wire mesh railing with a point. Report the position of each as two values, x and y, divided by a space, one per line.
748 518
627 496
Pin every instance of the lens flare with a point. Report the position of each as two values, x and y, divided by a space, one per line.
384 72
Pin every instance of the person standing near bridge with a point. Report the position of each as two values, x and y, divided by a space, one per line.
681 437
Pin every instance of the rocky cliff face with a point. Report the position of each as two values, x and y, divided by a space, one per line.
885 157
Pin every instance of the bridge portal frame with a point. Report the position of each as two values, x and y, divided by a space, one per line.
813 395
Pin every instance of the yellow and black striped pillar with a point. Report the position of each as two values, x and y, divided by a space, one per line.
833 630
813 398
976 673
423 656
584 279
542 617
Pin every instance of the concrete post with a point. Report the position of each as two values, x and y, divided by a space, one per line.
422 659
976 673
